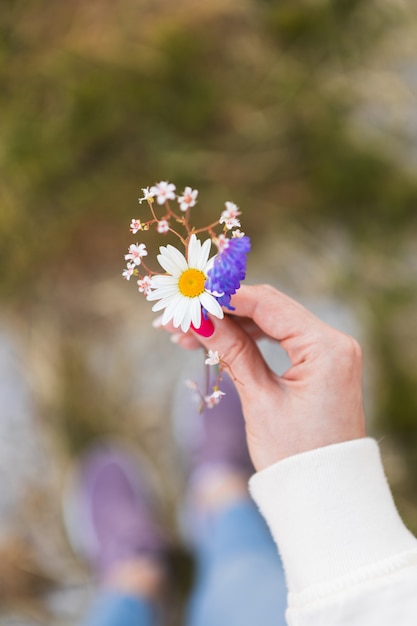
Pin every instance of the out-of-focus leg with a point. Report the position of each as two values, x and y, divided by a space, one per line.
111 522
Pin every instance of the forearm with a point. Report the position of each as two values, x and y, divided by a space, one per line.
339 534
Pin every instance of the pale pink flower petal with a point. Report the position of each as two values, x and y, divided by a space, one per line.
145 285
163 227
148 194
136 252
163 191
213 358
231 210
129 271
222 242
135 225
188 198
230 222
214 398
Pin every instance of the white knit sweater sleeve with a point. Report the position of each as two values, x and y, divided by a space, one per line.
348 558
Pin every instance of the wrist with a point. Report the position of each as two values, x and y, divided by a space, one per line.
331 513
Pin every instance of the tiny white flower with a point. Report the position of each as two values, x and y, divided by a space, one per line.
129 271
213 358
148 194
163 191
229 216
230 222
188 198
145 285
181 291
237 234
136 252
222 242
214 398
232 210
135 225
163 227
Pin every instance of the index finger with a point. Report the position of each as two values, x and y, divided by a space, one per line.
278 316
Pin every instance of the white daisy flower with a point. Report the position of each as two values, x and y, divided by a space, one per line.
181 292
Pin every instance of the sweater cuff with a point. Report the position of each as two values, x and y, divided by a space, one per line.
331 513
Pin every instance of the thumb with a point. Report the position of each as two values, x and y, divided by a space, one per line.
238 352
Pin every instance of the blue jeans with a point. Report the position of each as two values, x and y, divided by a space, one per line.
240 580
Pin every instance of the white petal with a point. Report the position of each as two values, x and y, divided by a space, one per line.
180 312
196 312
186 320
204 255
163 303
164 292
177 257
209 264
194 248
172 260
211 304
161 280
171 308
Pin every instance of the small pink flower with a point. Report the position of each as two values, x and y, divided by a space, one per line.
222 242
147 194
231 210
135 225
214 398
238 234
229 216
213 358
129 271
163 227
163 191
145 285
188 198
136 252
230 223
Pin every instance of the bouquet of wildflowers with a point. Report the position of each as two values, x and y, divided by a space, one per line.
191 284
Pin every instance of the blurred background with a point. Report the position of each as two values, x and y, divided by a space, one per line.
303 113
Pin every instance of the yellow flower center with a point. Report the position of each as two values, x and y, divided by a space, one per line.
191 283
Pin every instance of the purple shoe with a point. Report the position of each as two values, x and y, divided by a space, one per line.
109 510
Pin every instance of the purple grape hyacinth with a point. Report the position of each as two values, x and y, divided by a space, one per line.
229 269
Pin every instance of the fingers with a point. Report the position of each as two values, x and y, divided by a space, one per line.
261 309
188 340
279 317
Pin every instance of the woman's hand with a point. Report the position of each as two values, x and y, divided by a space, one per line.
317 402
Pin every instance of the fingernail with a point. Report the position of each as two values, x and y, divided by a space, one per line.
175 338
206 328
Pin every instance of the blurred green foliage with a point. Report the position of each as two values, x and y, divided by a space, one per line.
247 100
